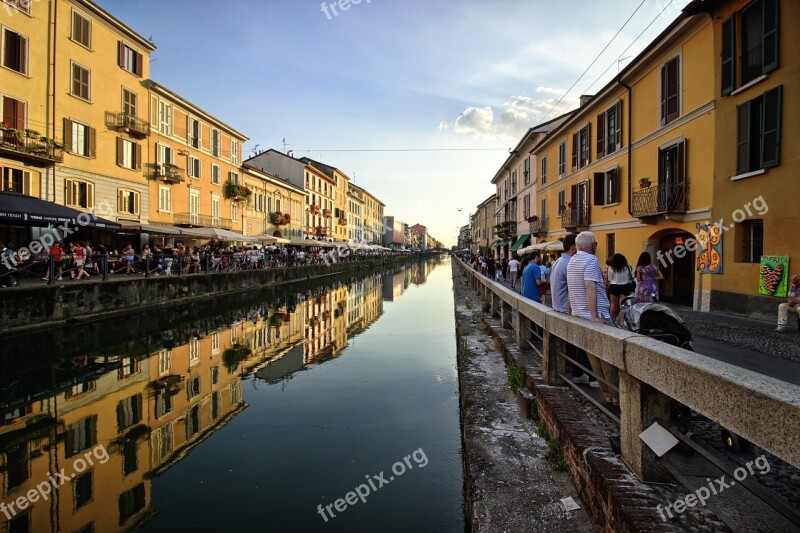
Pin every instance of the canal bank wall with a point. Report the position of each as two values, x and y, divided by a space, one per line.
510 484
28 308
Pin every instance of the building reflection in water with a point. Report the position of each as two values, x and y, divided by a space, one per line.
148 401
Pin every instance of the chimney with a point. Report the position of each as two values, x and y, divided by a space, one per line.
585 99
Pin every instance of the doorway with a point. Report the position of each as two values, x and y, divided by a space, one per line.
678 284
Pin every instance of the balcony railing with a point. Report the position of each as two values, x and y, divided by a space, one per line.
321 230
203 221
39 152
133 125
575 218
342 221
506 230
540 226
168 172
662 199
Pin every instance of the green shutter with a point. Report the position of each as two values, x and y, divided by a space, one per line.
770 24
743 139
728 56
771 128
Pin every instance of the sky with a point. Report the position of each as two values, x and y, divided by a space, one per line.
419 101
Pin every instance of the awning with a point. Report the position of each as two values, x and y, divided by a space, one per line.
269 239
496 243
150 228
520 242
23 210
227 235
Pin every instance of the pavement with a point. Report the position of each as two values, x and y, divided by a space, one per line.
744 342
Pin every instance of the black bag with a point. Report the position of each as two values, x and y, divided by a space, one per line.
631 285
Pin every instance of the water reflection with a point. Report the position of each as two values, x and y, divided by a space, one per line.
150 398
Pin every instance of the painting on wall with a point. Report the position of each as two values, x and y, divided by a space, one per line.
709 253
773 279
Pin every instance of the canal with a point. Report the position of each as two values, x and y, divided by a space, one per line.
316 407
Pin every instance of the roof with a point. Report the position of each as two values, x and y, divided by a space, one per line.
116 23
263 174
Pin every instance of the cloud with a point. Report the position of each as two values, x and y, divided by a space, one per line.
513 119
444 125
549 90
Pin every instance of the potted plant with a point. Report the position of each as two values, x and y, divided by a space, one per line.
533 218
644 183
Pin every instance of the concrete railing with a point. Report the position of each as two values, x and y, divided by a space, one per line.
764 410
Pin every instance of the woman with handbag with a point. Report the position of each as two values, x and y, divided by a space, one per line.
620 282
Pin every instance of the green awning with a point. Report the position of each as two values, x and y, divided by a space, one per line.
520 243
496 243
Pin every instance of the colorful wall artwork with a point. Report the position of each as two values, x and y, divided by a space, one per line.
709 253
774 276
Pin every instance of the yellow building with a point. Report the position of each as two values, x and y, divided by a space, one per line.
482 226
355 213
756 152
373 219
634 163
272 199
193 166
319 212
341 184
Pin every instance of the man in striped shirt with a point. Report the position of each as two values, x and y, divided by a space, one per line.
588 299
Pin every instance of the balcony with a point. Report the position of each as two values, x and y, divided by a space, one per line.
203 221
576 218
669 200
342 221
321 230
506 230
39 151
540 227
168 173
128 123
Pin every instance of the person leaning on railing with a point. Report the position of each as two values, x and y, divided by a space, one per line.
790 306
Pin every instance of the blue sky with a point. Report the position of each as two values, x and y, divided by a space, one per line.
392 74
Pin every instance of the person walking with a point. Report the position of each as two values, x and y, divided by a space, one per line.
80 261
620 282
491 269
57 253
546 271
648 275
504 270
588 300
513 270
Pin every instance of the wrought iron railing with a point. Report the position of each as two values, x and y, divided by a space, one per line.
44 151
505 230
661 199
132 124
205 221
540 226
168 172
574 217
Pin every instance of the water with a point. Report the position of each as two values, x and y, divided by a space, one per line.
257 416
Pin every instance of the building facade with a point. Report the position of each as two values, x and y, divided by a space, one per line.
276 208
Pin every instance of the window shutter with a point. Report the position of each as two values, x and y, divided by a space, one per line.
743 139
89 195
68 135
681 163
728 56
614 185
138 67
599 192
136 203
20 112
618 130
769 50
120 152
574 151
22 57
92 142
771 127
120 54
601 138
138 155
588 143
662 105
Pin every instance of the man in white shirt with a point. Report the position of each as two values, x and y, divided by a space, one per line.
513 270
588 299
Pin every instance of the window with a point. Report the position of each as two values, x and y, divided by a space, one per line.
129 154
164 154
752 240
129 102
758 44
192 388
234 177
164 118
193 132
215 210
543 208
526 206
78 194
165 199
215 143
128 202
133 501
235 152
130 462
16 180
194 207
215 174
611 244
81 78
15 51
81 30
609 130
544 170
513 182
562 201
234 211
758 139
562 159
129 412
79 138
21 5
669 91
14 113
580 147
82 489
129 59
194 167
81 436
606 187
526 170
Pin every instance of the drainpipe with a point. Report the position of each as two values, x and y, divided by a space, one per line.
630 148
52 15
